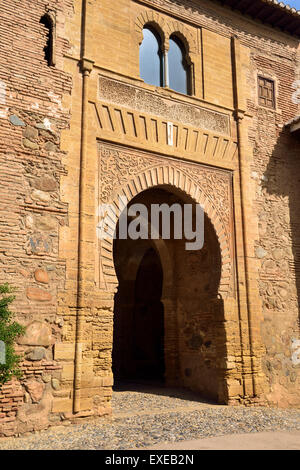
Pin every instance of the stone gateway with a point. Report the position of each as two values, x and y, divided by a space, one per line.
159 102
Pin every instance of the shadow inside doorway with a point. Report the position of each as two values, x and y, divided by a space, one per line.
168 317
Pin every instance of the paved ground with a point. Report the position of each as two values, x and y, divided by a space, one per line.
145 417
279 440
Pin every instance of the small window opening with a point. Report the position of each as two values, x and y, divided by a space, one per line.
49 46
266 92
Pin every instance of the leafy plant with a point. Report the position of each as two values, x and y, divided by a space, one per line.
9 331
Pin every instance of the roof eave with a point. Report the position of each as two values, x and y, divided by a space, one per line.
293 125
266 11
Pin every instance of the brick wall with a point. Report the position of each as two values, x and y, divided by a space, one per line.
32 117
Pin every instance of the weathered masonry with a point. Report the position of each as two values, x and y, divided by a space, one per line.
161 101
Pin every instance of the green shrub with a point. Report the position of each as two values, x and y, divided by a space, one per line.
9 331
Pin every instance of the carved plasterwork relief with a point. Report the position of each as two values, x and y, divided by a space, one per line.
129 172
136 98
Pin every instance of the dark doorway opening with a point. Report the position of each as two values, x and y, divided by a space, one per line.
138 352
148 321
168 318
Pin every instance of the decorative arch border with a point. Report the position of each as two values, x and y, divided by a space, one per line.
165 29
166 173
152 18
179 30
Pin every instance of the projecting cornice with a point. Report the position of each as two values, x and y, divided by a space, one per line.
272 12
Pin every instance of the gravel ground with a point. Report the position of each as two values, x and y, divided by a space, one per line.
147 417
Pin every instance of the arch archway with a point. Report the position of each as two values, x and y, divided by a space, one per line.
167 310
126 173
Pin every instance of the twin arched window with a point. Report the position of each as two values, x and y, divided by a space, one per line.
164 69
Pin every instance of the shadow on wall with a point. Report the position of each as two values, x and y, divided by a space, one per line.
281 186
279 220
